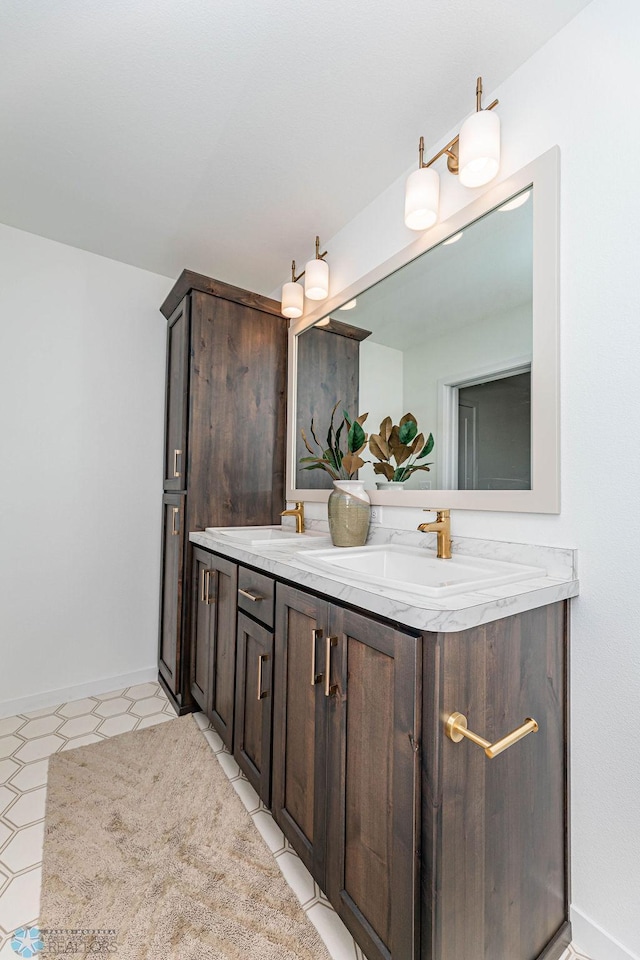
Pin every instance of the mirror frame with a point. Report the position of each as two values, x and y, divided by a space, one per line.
544 496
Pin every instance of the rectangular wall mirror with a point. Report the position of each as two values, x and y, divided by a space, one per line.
460 330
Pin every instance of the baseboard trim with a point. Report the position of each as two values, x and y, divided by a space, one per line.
51 698
593 941
558 944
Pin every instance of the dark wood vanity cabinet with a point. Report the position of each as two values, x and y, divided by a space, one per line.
345 766
254 704
214 591
172 582
300 726
495 873
254 679
426 848
177 398
224 438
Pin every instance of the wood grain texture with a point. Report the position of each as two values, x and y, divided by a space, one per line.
200 629
236 415
222 647
300 728
171 589
501 870
229 351
373 786
253 726
258 585
189 281
328 371
177 398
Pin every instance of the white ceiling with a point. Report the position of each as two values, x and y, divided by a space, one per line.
222 136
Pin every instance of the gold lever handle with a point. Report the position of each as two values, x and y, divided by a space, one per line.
328 688
175 530
456 728
261 659
250 596
176 454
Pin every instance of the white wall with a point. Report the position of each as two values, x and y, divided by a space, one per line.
380 393
575 92
82 354
458 354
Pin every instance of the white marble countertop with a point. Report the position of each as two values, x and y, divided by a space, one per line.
285 560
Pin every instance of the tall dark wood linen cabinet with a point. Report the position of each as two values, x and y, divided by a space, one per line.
224 439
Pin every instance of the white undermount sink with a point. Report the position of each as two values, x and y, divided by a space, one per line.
416 570
254 536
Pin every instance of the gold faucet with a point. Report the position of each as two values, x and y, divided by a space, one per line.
298 513
442 527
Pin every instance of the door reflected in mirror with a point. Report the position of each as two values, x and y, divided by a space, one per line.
449 338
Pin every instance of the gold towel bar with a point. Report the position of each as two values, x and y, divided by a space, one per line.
456 728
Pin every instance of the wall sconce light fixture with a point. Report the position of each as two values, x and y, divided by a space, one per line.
474 155
316 285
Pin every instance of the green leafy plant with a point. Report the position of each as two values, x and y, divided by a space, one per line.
400 443
339 463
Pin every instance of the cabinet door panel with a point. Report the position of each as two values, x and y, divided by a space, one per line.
254 705
171 590
200 627
493 816
177 399
299 759
236 414
372 864
223 647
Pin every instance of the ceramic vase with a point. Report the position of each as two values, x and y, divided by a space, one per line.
349 513
390 484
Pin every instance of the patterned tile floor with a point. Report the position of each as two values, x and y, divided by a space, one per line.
27 741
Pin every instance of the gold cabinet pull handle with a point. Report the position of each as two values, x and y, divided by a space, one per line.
261 659
176 454
250 596
175 530
315 677
203 573
456 728
328 688
205 590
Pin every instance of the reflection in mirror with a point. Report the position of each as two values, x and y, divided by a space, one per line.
448 338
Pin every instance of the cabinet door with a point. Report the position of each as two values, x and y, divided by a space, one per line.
254 705
170 643
177 399
223 597
299 742
201 627
501 825
373 783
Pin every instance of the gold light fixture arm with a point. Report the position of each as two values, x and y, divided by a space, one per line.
319 256
451 148
456 728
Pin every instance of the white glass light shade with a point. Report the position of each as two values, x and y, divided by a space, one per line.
422 199
479 148
292 300
316 280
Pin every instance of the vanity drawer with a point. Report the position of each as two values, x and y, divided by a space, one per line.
256 595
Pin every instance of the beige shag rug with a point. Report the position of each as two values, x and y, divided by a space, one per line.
145 836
